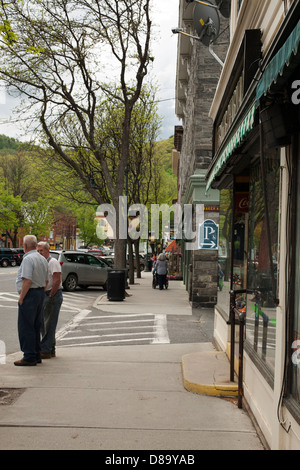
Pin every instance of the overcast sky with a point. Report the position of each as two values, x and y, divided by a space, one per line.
165 54
164 70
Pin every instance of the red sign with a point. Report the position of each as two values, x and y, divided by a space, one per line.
241 202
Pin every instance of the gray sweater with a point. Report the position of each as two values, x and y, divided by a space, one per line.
161 267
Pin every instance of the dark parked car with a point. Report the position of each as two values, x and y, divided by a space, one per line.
142 262
108 260
7 257
83 270
19 253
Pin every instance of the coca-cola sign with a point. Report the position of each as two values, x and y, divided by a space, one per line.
241 202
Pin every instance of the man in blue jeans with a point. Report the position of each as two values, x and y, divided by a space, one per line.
31 282
52 303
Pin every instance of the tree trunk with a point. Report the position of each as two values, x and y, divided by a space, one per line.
120 243
131 262
137 257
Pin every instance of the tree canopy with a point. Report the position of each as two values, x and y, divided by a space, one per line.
55 54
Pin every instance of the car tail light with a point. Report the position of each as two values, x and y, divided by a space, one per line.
61 263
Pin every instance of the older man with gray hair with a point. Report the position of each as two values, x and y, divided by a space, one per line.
31 282
52 302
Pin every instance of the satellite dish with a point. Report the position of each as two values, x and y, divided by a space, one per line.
206 22
224 7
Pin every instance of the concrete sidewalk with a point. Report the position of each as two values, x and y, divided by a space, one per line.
125 397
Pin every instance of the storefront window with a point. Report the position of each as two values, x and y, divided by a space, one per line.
225 233
262 272
295 373
240 240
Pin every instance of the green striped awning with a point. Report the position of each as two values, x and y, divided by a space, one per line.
287 57
235 141
279 68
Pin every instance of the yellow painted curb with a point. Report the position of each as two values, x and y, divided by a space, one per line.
205 373
211 390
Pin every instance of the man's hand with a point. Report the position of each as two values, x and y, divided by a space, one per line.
26 283
56 283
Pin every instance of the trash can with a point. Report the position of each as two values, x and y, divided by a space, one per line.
116 285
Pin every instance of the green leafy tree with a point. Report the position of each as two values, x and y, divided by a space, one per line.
9 208
37 217
87 224
56 54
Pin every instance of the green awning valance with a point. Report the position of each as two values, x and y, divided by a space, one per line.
287 55
235 141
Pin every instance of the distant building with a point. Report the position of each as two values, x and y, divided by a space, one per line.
63 232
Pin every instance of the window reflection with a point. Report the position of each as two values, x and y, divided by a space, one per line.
240 241
225 231
295 351
261 306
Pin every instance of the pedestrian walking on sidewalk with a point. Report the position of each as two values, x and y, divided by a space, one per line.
52 303
31 281
161 267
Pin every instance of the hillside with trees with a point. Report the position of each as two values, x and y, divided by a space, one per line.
32 189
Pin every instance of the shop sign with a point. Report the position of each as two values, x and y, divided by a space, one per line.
208 235
241 203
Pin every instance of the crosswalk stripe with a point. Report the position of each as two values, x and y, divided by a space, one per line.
98 343
121 315
121 328
100 336
116 326
160 325
72 324
119 322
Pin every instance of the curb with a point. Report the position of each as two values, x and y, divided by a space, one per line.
207 373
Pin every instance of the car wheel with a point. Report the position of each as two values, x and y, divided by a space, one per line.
13 263
70 283
4 263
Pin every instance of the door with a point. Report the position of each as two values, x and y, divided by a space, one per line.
96 270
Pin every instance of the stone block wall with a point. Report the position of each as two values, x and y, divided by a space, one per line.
196 154
204 279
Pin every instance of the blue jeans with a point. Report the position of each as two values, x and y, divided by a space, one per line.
29 324
50 318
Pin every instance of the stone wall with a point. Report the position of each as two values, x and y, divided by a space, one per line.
204 273
195 156
204 74
204 279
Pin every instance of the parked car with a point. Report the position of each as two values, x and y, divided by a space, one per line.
142 262
83 270
7 257
109 260
55 254
96 252
19 253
